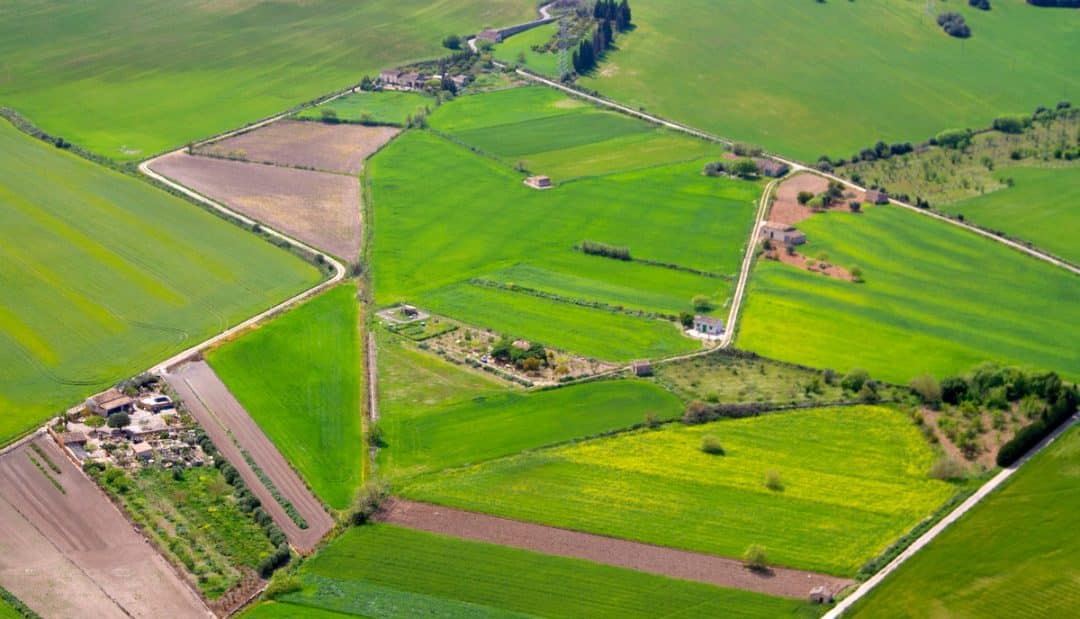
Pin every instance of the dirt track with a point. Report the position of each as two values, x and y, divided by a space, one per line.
215 408
670 562
72 553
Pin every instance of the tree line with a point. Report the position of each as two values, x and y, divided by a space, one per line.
611 18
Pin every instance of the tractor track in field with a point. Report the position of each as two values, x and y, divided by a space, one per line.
642 557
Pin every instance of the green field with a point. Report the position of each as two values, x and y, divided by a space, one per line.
854 479
382 571
511 234
1014 555
423 439
1042 207
937 299
102 276
386 107
510 50
129 83
300 379
726 378
541 130
11 607
760 72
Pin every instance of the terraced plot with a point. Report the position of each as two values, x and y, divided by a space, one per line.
1013 555
382 571
937 299
851 481
425 439
102 276
560 137
129 84
300 379
749 70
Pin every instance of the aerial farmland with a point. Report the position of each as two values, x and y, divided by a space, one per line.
593 308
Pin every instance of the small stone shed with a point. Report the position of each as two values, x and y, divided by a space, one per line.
877 196
539 182
495 36
783 233
707 325
770 167
642 368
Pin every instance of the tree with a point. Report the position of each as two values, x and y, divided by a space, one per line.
856 273
453 41
804 197
329 116
855 379
119 420
927 388
530 364
855 206
711 445
773 481
701 303
756 558
686 319
745 168
953 389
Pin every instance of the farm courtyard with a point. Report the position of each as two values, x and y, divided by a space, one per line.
461 309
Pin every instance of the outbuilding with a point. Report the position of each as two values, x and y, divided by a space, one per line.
390 76
109 403
539 182
642 368
495 36
877 196
820 595
771 167
142 451
707 325
783 233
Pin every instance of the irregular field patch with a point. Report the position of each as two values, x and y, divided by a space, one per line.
936 299
749 71
426 439
388 107
330 148
1012 555
300 377
385 571
130 84
318 208
853 480
102 276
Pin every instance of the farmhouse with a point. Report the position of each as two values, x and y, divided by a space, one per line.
412 80
390 76
642 368
490 34
109 403
707 325
771 168
877 196
783 233
539 182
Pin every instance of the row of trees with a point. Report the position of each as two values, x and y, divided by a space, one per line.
611 18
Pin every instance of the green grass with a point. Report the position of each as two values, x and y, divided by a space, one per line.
12 607
937 299
196 522
489 222
1042 208
130 83
758 71
278 610
102 276
423 439
510 50
543 131
300 379
387 107
721 377
1014 555
854 480
384 571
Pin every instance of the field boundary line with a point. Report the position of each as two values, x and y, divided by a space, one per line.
795 167
339 269
985 490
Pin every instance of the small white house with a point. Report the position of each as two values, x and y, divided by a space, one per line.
707 325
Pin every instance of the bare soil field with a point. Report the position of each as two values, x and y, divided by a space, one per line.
221 415
71 553
318 208
304 144
809 264
670 562
786 208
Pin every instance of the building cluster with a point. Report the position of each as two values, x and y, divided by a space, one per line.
412 80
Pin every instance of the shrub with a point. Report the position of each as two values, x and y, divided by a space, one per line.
367 501
756 558
953 24
329 116
701 303
603 249
947 469
711 445
119 420
453 41
375 435
953 138
953 390
1014 123
856 274
927 388
773 481
855 379
281 585
687 319
804 196
745 168
982 5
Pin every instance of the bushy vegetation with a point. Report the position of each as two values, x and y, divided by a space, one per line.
390 107
12 607
954 25
657 486
1011 555
299 377
381 570
104 276
595 248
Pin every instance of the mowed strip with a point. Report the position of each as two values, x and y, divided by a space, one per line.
70 552
224 419
319 208
327 147
669 562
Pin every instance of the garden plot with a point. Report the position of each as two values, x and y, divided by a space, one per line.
318 208
67 551
310 145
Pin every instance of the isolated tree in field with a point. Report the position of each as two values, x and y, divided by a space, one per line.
711 445
701 303
773 481
119 420
756 558
856 273
452 42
